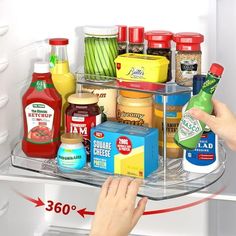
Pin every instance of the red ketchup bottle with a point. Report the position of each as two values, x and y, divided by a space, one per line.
42 115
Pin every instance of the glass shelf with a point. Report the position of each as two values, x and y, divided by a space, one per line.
115 83
165 183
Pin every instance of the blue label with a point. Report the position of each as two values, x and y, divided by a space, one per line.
171 114
205 152
71 158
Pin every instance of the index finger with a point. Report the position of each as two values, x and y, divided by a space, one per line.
105 188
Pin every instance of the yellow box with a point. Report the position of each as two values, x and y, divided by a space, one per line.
142 67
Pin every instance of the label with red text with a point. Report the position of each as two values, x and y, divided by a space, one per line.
39 117
82 125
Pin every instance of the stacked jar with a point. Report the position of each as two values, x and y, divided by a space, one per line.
174 105
100 50
159 43
188 57
82 114
122 39
136 39
135 108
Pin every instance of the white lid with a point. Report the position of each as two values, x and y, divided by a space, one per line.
41 67
101 30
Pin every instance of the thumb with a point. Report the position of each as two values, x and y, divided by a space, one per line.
198 114
139 210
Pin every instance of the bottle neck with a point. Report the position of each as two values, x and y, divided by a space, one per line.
41 81
209 86
59 60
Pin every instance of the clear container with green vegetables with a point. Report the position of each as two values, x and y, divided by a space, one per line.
100 50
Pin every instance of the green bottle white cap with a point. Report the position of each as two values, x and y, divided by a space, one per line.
41 67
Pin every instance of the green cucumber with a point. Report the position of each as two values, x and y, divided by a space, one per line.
99 58
90 69
106 57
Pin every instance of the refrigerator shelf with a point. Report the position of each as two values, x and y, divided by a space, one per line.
169 181
121 84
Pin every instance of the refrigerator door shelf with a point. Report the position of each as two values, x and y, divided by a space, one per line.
3 29
3 64
159 186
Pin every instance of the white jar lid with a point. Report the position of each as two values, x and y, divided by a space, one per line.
41 67
101 30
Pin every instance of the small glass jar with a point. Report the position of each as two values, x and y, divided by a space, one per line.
100 50
159 43
71 153
188 57
135 108
122 39
136 39
174 105
82 114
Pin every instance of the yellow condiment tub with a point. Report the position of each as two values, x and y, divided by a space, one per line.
142 67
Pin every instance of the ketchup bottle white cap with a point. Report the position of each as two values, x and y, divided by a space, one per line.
41 67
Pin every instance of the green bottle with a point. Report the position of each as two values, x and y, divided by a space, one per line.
190 129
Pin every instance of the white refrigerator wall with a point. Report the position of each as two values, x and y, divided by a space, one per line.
24 27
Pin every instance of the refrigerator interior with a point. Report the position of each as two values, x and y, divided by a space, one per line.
25 27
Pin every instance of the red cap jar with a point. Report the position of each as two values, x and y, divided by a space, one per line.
188 57
122 39
136 39
159 43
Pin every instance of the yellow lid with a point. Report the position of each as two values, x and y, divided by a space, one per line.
71 138
130 94
83 98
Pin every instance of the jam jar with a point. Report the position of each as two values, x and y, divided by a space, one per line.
82 114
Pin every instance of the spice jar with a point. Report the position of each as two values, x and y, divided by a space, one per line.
188 57
159 43
174 106
71 153
136 39
82 114
100 50
122 39
135 108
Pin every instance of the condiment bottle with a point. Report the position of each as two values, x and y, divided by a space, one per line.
63 80
136 39
135 108
159 43
122 39
71 153
174 105
42 115
188 57
190 129
205 158
82 114
101 49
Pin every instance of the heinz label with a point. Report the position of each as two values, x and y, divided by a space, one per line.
39 117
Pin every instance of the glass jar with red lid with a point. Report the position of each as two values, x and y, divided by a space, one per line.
122 39
159 43
136 39
82 114
188 57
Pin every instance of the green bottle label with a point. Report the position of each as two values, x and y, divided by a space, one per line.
40 85
210 85
53 60
188 127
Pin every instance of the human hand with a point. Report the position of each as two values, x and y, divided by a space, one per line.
223 123
116 214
